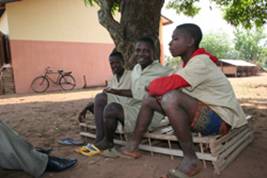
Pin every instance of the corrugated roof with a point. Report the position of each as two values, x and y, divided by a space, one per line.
238 62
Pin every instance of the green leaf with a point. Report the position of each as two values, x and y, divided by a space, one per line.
247 13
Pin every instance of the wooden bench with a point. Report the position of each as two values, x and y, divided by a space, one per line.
219 150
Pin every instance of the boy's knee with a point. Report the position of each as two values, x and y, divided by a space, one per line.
148 100
171 99
113 110
101 98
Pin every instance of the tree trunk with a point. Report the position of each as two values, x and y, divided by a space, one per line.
138 18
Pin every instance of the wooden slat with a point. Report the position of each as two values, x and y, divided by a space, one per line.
202 151
224 163
162 130
228 136
217 150
248 117
234 146
93 127
196 139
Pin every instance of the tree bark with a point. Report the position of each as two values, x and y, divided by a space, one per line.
139 18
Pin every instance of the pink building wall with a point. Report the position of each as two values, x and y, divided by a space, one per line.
30 58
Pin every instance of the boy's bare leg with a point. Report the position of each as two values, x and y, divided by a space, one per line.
180 109
113 114
100 103
149 105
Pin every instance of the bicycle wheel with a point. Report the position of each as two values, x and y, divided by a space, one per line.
40 84
67 82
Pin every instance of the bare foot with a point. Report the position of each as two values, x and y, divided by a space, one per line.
190 167
130 147
130 150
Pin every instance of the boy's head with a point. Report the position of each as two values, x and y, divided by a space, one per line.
116 62
185 37
144 51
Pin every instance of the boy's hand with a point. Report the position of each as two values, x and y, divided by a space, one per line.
108 90
111 90
89 107
82 115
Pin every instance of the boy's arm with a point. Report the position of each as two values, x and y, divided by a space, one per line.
120 92
88 107
162 85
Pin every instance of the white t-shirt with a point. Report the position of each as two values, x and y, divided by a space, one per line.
142 78
123 84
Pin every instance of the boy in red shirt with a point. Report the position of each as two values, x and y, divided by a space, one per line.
198 97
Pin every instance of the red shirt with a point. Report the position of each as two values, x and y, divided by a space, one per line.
162 85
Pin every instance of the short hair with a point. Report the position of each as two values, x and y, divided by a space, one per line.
193 30
147 40
115 53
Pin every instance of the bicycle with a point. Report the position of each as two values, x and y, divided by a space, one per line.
64 79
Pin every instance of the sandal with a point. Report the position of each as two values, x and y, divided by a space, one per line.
70 141
88 150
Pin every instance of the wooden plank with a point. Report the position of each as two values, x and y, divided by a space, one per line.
226 137
167 151
216 168
234 146
202 151
87 134
230 158
219 149
248 117
162 130
196 139
222 163
93 127
170 147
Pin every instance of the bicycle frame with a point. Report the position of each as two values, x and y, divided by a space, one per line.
50 72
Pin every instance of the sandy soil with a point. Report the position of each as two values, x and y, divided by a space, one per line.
45 118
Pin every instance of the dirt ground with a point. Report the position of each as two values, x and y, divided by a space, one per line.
45 118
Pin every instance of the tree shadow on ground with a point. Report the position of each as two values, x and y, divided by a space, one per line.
43 123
